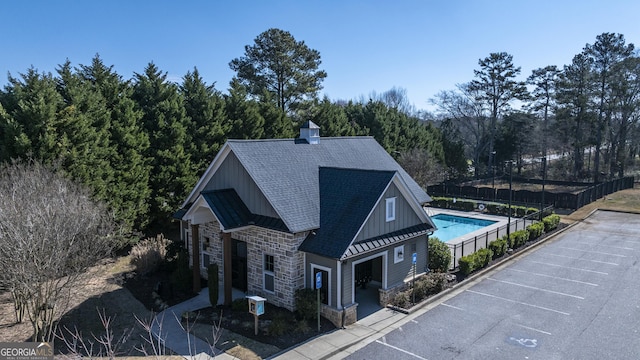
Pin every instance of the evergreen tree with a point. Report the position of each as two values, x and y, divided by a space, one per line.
128 194
165 121
83 133
244 114
332 119
204 105
279 65
29 123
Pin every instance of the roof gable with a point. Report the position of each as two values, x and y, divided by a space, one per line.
346 199
286 171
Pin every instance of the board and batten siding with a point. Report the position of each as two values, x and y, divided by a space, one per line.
403 270
378 225
232 175
313 259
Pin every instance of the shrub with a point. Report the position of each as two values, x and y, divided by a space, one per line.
483 257
551 222
498 247
518 238
212 283
535 230
302 327
532 210
182 277
439 255
148 254
402 300
306 303
279 326
467 264
241 305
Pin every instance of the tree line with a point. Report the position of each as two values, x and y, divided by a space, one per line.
141 144
589 109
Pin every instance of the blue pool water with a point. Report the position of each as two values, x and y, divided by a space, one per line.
451 226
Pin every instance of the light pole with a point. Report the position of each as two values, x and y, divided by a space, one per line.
509 215
544 177
493 179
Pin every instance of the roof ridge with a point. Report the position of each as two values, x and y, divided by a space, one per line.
289 139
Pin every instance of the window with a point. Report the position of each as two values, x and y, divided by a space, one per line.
269 266
206 243
391 209
398 254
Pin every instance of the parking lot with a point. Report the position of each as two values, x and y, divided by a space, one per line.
575 297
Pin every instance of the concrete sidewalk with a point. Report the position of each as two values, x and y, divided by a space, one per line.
167 328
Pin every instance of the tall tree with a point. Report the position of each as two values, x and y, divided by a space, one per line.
496 87
575 87
128 194
204 105
31 105
243 113
285 68
466 122
332 119
543 96
608 51
83 132
166 123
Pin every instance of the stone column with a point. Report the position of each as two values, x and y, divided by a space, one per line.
195 250
227 271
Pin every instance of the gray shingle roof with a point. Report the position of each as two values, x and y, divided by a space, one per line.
286 171
233 213
347 196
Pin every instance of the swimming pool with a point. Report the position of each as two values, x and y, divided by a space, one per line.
452 226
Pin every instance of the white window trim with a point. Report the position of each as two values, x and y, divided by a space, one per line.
313 279
266 272
390 215
398 254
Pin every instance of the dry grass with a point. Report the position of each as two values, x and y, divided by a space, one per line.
102 290
626 200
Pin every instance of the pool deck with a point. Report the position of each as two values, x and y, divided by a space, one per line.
499 221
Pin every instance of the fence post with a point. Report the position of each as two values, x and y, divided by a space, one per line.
486 240
475 243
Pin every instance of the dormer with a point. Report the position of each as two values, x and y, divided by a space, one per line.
310 132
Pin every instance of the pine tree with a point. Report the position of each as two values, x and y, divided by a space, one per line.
244 115
165 121
129 192
204 105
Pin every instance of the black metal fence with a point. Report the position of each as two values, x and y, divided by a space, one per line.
471 245
561 200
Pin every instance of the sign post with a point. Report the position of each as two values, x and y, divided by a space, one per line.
256 307
414 261
318 287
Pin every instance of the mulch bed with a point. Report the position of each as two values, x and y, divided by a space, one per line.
236 321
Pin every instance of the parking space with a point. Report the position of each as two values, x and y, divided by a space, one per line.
575 297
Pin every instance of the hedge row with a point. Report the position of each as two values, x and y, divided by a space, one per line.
470 205
426 285
497 248
475 261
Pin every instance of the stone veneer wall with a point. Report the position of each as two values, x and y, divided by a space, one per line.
288 261
340 318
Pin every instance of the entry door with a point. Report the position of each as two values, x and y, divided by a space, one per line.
239 265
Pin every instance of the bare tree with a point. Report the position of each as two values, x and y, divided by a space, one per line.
51 232
422 167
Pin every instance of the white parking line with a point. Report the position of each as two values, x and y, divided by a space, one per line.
594 252
575 258
451 306
553 277
534 329
519 302
536 288
567 267
401 350
604 245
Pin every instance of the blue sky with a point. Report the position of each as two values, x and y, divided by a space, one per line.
422 46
